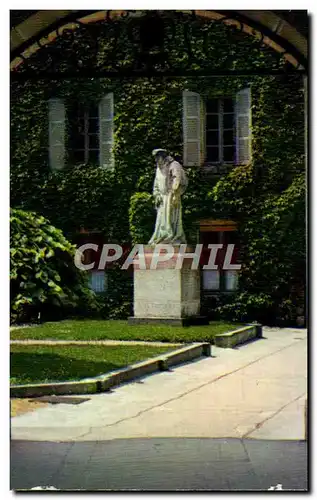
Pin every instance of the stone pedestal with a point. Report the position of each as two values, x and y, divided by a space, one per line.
167 294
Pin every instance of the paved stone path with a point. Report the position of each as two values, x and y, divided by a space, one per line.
230 422
257 390
160 465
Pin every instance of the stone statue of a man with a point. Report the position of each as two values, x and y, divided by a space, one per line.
169 185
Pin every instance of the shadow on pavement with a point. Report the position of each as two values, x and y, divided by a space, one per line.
160 464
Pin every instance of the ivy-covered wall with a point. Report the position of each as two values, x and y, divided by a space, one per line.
266 198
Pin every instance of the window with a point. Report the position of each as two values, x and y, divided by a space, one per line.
84 134
211 279
97 281
91 132
217 131
231 280
220 131
220 280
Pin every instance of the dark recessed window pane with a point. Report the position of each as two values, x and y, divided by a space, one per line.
212 121
231 237
209 237
228 121
94 156
93 111
80 125
72 113
93 141
228 137
228 154
79 156
212 106
228 105
212 154
212 138
81 109
77 141
93 126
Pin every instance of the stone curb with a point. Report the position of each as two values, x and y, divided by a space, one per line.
108 342
104 382
239 336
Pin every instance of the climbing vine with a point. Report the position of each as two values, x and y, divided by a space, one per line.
266 198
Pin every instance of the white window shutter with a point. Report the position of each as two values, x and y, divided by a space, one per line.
106 131
243 126
56 119
191 129
202 131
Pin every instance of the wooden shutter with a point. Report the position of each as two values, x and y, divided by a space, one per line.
56 133
243 126
106 131
202 131
191 129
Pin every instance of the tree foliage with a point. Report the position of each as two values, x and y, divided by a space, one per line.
43 276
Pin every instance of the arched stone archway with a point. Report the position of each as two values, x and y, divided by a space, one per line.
284 33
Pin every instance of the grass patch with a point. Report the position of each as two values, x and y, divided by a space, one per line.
121 330
38 364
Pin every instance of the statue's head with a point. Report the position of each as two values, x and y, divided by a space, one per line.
160 155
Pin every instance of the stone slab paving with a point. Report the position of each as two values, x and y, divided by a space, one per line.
160 465
255 391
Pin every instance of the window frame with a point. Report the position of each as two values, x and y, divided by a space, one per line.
220 113
222 273
84 112
98 272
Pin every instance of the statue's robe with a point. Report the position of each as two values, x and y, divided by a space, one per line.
169 185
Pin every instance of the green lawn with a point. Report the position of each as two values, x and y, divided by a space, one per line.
34 364
121 330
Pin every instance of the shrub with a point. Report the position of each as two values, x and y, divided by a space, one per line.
44 279
141 217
